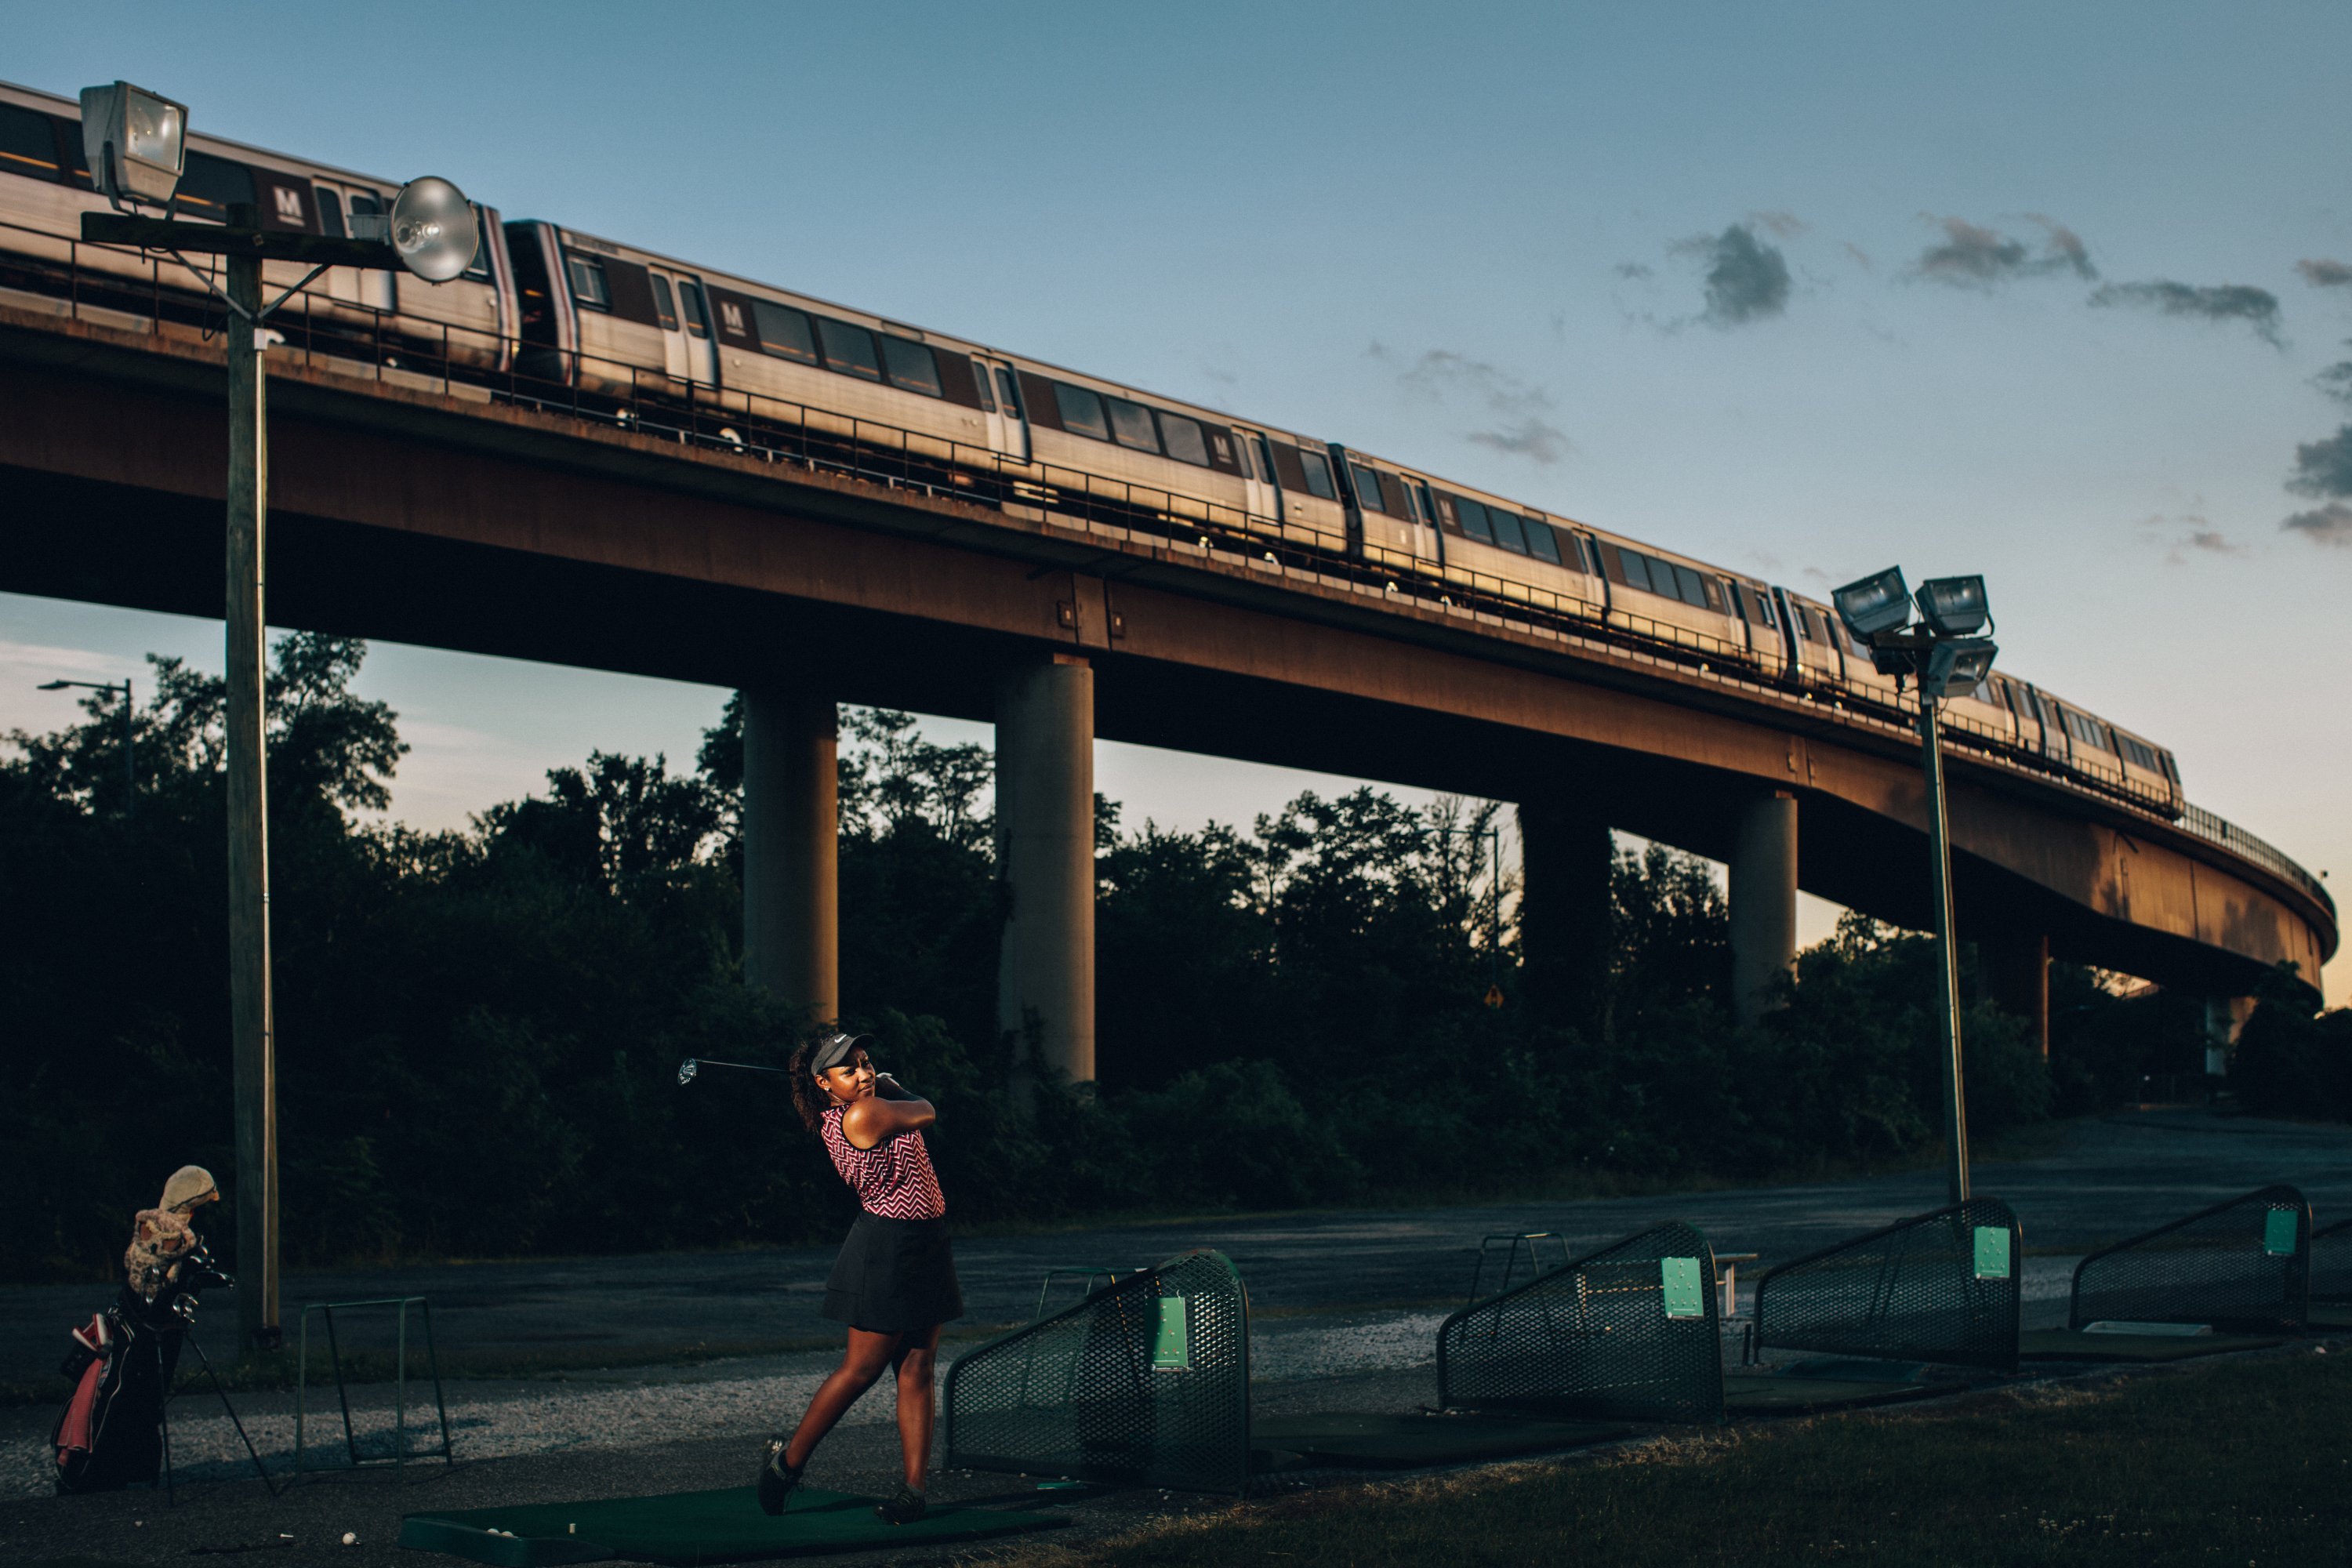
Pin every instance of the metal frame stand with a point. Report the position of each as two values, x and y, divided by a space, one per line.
1515 1239
163 1415
400 1454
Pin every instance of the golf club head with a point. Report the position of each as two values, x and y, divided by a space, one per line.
686 1071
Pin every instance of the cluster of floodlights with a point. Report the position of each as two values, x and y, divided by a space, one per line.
1943 652
137 144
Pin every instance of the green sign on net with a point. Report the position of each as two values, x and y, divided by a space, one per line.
2278 1232
1171 1345
1992 1252
1680 1278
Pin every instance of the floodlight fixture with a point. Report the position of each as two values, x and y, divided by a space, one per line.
686 1071
434 231
1953 606
1875 603
1958 667
136 142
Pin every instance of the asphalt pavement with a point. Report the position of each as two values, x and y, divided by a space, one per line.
2109 1178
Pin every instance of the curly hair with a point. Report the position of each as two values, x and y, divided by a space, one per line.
809 1096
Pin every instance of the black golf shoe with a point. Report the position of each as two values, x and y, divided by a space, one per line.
905 1508
777 1478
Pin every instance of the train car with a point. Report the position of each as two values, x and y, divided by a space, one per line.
388 324
1672 598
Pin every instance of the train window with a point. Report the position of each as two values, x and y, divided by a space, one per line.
847 349
2141 756
690 306
1690 587
1541 542
1262 456
1082 411
912 368
478 269
1368 487
1507 532
979 384
1318 474
1007 392
1183 438
28 145
331 211
587 274
664 306
1427 504
1473 521
1636 568
210 185
1130 425
784 331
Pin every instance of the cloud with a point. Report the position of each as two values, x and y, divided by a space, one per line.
1783 226
1632 269
1530 438
1522 407
2257 308
2323 469
1747 279
2190 531
2323 274
1973 257
1860 257
2336 380
2329 524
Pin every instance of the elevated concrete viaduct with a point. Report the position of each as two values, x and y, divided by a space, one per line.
500 529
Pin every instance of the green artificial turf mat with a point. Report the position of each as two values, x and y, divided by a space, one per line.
1766 1394
2072 1344
1397 1441
691 1527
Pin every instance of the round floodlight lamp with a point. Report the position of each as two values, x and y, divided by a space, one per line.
1955 606
433 229
1878 603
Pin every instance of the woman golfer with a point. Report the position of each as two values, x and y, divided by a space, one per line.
895 1281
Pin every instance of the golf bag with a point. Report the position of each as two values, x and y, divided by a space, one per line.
110 1432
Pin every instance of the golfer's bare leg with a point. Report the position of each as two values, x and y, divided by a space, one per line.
861 1363
917 1359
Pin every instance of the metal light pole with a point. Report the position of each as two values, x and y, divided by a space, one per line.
1948 1011
1944 656
136 143
252 1025
129 773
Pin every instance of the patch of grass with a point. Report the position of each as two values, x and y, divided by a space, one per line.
2236 1461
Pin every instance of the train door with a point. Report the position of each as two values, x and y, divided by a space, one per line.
689 352
1000 408
352 284
1262 490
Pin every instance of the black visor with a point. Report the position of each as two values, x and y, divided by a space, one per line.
834 1049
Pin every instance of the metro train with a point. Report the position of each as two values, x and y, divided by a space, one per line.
560 318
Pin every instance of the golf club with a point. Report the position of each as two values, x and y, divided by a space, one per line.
692 1064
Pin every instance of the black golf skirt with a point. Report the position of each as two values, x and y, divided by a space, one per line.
894 1276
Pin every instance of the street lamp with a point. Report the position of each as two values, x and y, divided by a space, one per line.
137 144
1945 657
130 775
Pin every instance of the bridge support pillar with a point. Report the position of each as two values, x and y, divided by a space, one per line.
1763 902
1565 851
2016 968
792 826
1046 858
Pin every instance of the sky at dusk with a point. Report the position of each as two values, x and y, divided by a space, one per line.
2062 295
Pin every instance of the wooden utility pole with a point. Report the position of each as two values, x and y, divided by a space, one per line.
254 1046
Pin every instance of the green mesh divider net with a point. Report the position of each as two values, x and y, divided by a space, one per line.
2244 1264
1146 1382
2331 1263
1629 1332
1941 1287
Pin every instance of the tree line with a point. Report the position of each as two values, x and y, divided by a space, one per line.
479 1029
